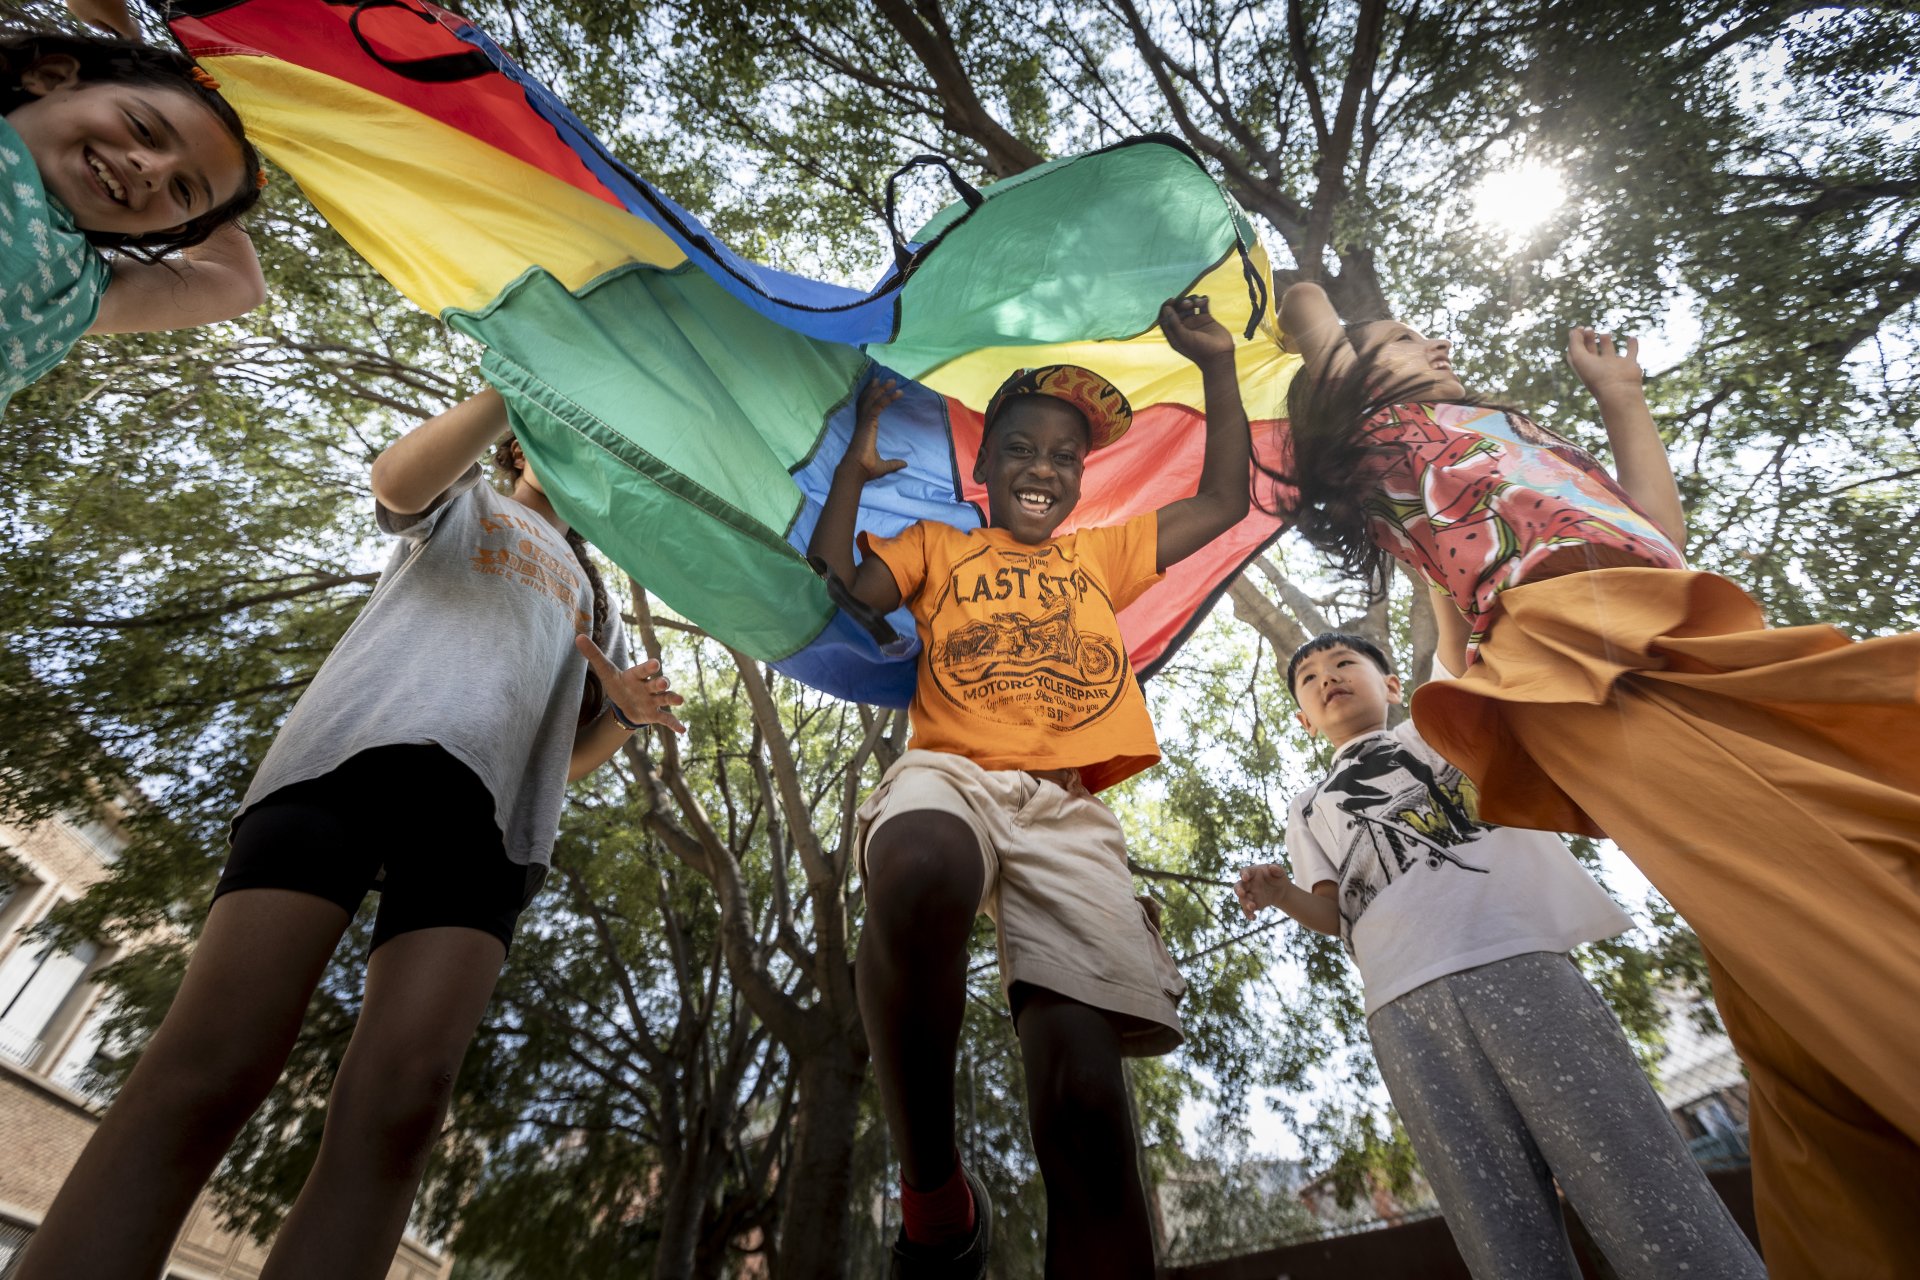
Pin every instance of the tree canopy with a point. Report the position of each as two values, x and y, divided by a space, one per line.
673 1074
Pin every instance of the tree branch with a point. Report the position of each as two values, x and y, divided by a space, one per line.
932 43
700 847
1296 600
325 582
1252 607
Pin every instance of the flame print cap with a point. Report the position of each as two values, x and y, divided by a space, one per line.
1106 410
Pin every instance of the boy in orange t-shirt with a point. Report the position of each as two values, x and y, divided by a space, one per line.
1025 705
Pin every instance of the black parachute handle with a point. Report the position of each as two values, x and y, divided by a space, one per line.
966 191
444 68
1257 292
871 620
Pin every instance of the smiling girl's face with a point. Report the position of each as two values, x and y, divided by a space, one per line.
126 159
1403 357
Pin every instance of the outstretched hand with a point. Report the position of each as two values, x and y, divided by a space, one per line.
1259 887
863 453
1601 364
1192 331
641 693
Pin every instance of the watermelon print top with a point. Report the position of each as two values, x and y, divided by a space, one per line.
1477 499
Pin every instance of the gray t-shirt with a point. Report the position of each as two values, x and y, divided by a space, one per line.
467 642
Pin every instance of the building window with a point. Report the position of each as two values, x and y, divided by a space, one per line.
101 836
13 1243
16 894
76 1068
35 982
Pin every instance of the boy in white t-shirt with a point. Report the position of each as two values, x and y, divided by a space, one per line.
1506 1067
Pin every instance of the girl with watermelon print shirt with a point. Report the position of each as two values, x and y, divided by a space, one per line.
1495 497
1760 778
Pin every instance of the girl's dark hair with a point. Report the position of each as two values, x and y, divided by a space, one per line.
1332 459
107 61
594 694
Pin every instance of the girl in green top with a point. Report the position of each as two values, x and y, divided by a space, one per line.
111 145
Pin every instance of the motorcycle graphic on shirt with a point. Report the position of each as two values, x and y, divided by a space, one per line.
1013 639
1007 643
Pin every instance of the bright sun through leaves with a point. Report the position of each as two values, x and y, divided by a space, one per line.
1517 200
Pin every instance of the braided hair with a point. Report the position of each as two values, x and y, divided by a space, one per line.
593 695
102 60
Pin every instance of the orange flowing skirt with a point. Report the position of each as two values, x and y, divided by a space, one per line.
1768 783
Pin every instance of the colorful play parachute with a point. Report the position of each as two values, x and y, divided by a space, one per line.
686 406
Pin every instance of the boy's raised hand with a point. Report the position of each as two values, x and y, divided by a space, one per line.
1192 331
863 452
1259 887
1605 368
642 693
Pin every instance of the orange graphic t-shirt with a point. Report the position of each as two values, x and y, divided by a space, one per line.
1021 661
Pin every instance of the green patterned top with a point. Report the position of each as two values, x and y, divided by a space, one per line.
51 279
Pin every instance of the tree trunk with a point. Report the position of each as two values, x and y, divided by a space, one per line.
689 1188
1424 634
679 1224
816 1220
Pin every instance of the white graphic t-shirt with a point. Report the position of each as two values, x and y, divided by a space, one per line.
1426 888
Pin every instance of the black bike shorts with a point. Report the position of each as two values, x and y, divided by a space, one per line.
409 821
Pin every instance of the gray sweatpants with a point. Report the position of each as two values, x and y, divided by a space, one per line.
1514 1074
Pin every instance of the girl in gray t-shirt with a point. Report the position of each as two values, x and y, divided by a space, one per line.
429 758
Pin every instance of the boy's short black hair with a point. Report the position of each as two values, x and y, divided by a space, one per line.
1336 640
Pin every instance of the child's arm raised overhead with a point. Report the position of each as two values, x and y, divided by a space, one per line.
1268 885
1225 487
871 582
1639 456
421 465
1312 328
215 280
106 15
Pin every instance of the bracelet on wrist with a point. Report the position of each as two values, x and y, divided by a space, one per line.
631 726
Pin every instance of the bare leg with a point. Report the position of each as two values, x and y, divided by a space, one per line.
1083 1136
219 1050
923 891
426 992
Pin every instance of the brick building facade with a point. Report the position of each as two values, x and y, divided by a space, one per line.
50 1030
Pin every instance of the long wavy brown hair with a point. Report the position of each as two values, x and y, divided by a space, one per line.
107 61
594 693
1331 462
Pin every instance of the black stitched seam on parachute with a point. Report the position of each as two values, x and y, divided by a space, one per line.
820 437
899 280
1205 607
642 463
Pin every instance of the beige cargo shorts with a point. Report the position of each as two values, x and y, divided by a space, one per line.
1057 888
